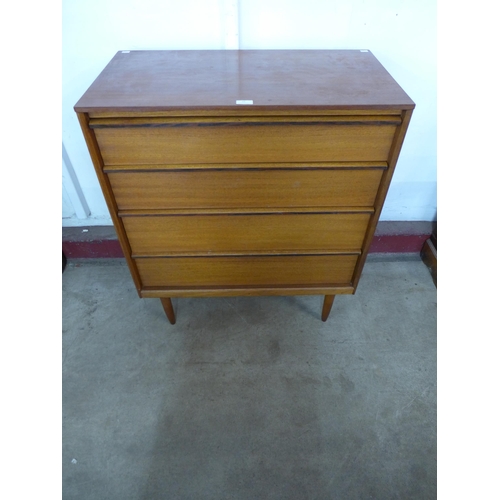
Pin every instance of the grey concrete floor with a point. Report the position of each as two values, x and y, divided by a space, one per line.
249 398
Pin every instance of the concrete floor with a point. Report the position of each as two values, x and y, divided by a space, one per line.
249 398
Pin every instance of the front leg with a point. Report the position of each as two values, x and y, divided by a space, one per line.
327 306
169 310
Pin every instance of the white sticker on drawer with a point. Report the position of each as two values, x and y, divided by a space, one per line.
244 101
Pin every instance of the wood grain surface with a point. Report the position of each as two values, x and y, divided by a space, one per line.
216 234
242 143
247 271
216 79
240 188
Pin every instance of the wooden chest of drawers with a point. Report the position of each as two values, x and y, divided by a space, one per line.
244 172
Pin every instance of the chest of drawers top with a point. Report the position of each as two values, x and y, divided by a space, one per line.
272 80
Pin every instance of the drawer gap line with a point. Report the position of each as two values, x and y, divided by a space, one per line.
182 255
234 168
198 123
242 212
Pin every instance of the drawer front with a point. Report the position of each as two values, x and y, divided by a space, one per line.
241 143
164 235
246 271
202 189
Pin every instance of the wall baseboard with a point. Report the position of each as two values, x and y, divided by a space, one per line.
101 241
90 242
429 254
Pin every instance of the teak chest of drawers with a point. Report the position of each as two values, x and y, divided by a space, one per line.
244 172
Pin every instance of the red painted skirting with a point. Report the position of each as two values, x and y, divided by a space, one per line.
92 249
401 243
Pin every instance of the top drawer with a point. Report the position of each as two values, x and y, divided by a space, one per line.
233 140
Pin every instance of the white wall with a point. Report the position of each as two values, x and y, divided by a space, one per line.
401 34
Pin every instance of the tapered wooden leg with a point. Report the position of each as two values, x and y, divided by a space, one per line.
169 310
327 306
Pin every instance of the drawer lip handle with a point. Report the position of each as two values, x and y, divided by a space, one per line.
213 167
228 290
369 120
246 211
237 255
